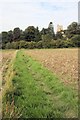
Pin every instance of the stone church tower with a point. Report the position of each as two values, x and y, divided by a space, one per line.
51 28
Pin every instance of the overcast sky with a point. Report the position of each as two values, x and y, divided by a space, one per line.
24 13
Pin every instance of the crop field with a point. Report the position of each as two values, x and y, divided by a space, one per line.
39 83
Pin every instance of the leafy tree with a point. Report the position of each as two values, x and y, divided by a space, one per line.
76 40
72 29
22 35
59 35
4 37
16 33
37 35
44 31
30 33
10 36
78 29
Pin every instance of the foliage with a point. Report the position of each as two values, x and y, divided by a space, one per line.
59 35
30 33
73 29
16 33
76 40
4 37
10 36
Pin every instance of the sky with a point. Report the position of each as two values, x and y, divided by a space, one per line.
24 13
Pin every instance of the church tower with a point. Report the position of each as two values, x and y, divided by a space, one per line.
51 28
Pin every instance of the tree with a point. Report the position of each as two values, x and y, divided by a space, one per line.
37 35
30 33
10 36
72 29
76 40
22 35
4 37
59 35
78 29
16 33
44 31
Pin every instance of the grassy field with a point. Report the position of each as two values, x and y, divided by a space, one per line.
36 92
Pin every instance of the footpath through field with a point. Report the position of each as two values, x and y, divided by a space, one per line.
37 93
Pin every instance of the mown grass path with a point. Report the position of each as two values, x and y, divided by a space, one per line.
40 94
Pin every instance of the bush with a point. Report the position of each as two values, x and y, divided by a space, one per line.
31 45
68 43
39 44
22 44
8 45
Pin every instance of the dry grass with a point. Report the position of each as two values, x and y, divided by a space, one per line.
6 57
62 62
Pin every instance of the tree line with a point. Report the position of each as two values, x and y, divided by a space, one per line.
32 37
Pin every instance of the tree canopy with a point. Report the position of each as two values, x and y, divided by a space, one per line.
46 38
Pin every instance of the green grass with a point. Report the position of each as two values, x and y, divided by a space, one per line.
38 93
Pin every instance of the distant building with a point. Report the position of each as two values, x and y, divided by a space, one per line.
50 25
51 29
59 28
